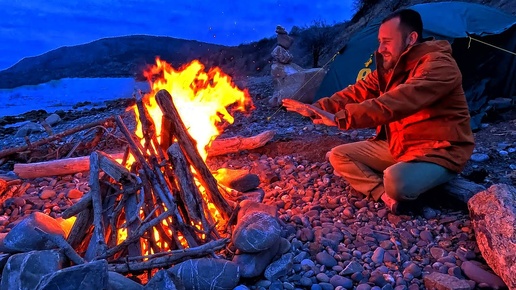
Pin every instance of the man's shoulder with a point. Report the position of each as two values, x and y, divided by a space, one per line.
435 47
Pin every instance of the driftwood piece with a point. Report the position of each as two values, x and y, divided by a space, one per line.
58 136
78 207
56 167
147 170
173 257
239 143
188 146
99 241
144 227
80 228
189 192
59 241
166 133
132 222
462 189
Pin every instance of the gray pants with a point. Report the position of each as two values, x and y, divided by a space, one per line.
370 169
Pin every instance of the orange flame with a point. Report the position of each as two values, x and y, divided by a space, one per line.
201 98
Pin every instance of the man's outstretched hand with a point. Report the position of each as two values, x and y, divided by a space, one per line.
317 115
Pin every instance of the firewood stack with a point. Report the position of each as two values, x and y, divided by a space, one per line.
167 218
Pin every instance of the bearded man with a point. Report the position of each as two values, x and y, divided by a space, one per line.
416 100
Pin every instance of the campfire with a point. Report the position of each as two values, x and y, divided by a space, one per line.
162 197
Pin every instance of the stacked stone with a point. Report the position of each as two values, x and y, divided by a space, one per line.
280 54
290 80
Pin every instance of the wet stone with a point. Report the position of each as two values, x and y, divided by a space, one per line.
47 194
325 259
74 193
437 253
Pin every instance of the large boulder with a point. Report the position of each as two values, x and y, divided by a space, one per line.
24 238
207 273
294 82
493 216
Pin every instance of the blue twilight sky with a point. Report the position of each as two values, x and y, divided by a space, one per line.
33 27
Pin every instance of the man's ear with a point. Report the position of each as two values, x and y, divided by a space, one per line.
412 38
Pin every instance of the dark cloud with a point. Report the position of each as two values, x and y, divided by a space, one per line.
33 27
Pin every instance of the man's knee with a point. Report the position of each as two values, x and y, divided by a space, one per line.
397 185
338 154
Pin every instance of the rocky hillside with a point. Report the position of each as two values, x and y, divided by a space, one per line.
128 56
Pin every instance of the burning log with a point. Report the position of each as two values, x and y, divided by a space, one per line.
167 259
171 116
239 143
164 205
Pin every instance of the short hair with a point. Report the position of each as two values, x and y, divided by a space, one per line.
410 20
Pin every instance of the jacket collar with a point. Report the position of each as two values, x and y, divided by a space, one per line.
408 59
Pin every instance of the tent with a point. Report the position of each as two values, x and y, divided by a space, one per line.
473 29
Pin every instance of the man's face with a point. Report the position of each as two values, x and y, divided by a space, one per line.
392 42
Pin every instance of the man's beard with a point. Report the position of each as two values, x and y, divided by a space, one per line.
389 64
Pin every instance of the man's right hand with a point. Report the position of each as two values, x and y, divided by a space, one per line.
300 108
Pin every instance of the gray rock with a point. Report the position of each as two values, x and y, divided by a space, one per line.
479 157
301 256
92 275
413 269
429 213
53 119
294 82
307 264
25 270
207 273
24 238
237 179
351 268
164 280
378 255
118 281
285 41
341 281
493 216
326 259
479 275
437 253
256 232
279 268
254 264
282 55
255 195
441 281
28 129
248 207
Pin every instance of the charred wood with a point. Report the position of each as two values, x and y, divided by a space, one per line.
188 146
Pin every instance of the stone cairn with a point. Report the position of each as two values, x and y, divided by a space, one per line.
290 80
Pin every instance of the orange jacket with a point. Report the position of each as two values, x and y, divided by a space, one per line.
420 109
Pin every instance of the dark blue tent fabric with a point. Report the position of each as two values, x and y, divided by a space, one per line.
487 72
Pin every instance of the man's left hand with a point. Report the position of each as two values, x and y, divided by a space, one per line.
324 118
318 116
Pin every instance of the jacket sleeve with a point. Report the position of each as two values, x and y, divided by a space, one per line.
358 92
433 77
